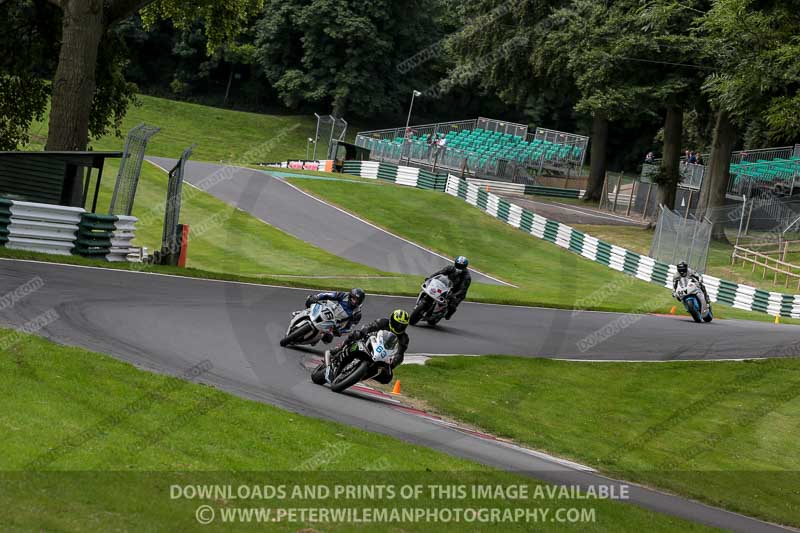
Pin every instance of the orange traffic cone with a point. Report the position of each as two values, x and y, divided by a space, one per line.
396 388
672 311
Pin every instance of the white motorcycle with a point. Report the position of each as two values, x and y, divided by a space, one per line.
310 325
432 301
691 295
358 361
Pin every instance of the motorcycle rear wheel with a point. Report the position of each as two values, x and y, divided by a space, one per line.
318 375
355 372
297 335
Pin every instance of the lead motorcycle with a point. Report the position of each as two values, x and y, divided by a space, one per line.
691 295
432 301
357 361
309 325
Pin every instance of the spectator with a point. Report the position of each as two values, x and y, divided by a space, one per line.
699 158
431 145
692 158
649 158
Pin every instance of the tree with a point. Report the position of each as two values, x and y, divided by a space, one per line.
670 30
85 23
28 37
755 48
343 53
593 43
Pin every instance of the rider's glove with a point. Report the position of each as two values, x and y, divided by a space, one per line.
356 335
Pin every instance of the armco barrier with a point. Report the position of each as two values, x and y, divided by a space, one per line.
642 267
402 175
94 235
42 228
5 220
121 239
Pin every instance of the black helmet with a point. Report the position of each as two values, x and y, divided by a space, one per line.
398 321
357 297
461 262
683 268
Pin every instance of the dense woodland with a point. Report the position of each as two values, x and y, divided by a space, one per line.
638 76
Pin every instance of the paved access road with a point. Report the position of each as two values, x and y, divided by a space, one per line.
168 324
571 213
311 220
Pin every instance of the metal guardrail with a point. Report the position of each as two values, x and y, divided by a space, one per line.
44 228
64 230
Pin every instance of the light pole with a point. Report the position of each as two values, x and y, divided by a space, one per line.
406 136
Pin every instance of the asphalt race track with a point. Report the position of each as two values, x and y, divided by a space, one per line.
297 213
168 324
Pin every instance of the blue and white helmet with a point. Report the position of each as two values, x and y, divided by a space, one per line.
461 262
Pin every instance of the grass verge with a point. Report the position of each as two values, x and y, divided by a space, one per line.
220 134
546 275
721 432
92 444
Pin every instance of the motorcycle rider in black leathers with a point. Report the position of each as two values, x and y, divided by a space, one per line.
350 302
397 323
459 276
684 271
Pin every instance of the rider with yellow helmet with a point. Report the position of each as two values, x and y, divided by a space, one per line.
397 323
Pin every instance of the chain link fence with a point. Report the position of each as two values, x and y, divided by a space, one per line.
678 238
129 169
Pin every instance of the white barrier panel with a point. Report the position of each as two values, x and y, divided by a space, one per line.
407 176
122 239
44 228
499 186
369 169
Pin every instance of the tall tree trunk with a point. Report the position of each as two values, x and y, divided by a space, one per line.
599 155
715 183
74 81
670 162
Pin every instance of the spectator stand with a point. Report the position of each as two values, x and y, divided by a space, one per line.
483 147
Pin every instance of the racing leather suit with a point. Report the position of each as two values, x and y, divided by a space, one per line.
461 280
343 298
385 375
693 275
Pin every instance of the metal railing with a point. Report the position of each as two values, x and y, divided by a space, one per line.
691 174
489 124
629 196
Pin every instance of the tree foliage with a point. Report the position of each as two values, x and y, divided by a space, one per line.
28 40
343 52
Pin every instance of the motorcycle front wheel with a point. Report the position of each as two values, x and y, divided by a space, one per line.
692 307
297 335
351 374
419 310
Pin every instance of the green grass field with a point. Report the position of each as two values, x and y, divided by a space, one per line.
220 134
93 444
721 432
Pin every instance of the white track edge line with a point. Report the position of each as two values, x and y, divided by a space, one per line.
383 230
